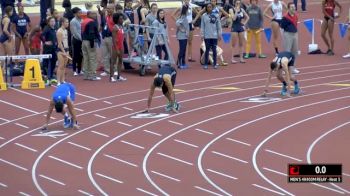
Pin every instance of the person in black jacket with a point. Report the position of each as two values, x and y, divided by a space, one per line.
5 3
49 38
90 36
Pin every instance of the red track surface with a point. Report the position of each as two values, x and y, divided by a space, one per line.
216 145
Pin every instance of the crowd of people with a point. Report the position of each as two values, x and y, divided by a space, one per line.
74 37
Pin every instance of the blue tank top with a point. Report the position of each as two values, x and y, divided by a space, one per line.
21 23
63 91
130 13
8 27
239 18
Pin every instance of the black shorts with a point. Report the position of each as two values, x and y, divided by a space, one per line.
165 88
277 20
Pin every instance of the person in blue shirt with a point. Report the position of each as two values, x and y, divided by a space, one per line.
64 95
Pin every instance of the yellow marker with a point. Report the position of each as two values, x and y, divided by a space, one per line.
32 75
225 88
3 85
345 85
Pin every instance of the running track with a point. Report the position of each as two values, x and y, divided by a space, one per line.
216 145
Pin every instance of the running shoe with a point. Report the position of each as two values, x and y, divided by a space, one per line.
216 66
205 66
284 90
346 56
261 56
104 74
112 79
66 122
75 74
246 56
296 89
95 78
121 79
176 106
168 107
295 71
71 124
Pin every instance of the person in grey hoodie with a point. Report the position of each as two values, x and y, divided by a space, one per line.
182 34
161 26
254 27
210 33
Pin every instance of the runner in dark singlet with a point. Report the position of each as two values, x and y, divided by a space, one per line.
22 28
283 62
5 37
165 79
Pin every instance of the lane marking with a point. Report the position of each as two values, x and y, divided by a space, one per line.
345 174
225 88
26 147
207 132
97 115
79 146
230 157
328 188
122 123
87 96
208 191
342 85
23 126
1 138
146 192
274 171
101 134
53 118
84 192
110 103
188 144
120 160
176 123
53 134
52 180
3 185
283 155
109 178
173 158
3 119
132 144
340 188
16 106
166 176
80 110
153 133
237 141
15 165
66 162
222 174
267 189
23 193
149 115
126 108
30 94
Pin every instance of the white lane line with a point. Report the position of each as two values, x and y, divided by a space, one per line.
120 160
122 123
188 144
345 174
84 192
222 174
23 193
132 144
237 141
78 109
101 134
79 146
276 172
26 147
97 115
110 103
230 157
126 108
87 96
173 158
15 165
3 119
1 138
283 155
206 190
207 132
146 192
30 94
340 188
267 189
328 188
18 124
153 133
166 176
66 162
176 123
52 180
109 178
16 106
3 185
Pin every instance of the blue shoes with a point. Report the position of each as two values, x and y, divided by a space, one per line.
296 89
66 122
284 90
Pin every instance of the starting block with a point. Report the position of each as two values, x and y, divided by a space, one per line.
3 85
32 75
